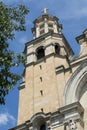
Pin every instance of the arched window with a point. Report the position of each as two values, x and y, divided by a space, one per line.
40 53
57 49
43 127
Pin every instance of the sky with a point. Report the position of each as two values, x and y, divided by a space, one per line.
72 15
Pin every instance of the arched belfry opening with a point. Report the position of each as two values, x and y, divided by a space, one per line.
39 122
57 49
40 52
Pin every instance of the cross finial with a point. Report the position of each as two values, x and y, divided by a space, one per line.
44 10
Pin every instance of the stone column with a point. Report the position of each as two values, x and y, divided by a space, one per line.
45 25
37 31
48 125
34 35
55 28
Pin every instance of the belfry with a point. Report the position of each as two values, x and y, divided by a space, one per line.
53 93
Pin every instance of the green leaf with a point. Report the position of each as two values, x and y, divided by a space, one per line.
12 19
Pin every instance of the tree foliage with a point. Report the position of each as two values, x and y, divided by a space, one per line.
12 19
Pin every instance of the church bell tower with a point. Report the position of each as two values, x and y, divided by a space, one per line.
47 70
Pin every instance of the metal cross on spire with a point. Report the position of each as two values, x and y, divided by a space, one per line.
44 11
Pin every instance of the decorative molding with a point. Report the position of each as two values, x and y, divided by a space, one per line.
60 69
78 61
72 125
56 119
73 84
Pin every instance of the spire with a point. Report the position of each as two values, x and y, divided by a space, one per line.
44 11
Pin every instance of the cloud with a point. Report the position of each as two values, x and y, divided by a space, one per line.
23 40
6 118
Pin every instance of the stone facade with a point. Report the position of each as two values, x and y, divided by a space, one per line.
54 88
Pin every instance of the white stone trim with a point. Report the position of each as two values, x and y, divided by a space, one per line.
75 83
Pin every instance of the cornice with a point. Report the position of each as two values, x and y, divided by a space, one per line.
48 16
42 37
78 61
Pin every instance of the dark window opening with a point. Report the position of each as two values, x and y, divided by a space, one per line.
41 79
41 26
57 49
50 25
41 32
42 109
50 30
43 127
40 53
41 92
41 67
